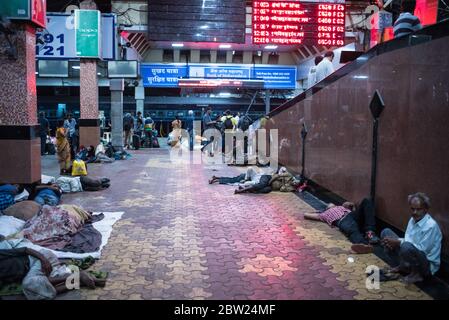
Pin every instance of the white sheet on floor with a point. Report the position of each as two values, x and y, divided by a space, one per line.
104 226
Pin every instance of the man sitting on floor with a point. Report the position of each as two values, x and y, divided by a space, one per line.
418 253
350 220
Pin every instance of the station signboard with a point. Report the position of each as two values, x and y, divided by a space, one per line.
59 37
209 75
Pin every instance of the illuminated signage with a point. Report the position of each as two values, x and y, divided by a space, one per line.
220 83
88 33
211 75
289 23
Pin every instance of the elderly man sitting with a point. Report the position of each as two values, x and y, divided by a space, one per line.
418 253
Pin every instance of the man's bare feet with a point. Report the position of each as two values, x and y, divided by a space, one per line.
412 278
214 179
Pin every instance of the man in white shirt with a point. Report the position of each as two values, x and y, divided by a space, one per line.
419 251
325 67
311 78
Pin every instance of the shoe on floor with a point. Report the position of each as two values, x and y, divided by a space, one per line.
361 248
371 237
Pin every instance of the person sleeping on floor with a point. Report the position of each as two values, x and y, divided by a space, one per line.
358 223
260 181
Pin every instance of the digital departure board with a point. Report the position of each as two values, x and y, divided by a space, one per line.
299 22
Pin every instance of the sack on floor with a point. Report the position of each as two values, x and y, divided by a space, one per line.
79 168
24 210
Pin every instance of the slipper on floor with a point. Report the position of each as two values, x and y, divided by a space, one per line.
361 248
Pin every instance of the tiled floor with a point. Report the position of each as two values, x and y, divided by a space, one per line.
181 238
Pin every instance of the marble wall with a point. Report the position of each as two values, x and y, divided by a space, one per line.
413 147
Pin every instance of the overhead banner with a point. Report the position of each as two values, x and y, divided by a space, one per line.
88 33
59 37
168 75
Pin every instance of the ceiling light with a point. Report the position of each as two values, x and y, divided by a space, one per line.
204 27
224 46
224 94
177 45
271 47
76 67
36 72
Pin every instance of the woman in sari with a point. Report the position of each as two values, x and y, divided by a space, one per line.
63 148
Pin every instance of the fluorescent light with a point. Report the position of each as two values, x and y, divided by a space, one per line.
224 94
76 67
204 27
177 45
360 77
224 46
271 47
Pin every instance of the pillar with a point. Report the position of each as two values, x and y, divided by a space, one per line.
140 99
20 159
117 86
267 101
89 122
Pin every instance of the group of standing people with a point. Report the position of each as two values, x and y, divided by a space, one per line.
140 126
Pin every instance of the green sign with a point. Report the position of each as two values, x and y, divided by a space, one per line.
87 31
30 10
15 9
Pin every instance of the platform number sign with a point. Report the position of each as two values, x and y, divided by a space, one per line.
58 39
54 45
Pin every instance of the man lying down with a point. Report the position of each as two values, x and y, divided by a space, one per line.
260 180
39 271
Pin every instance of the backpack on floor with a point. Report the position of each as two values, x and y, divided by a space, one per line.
51 148
136 142
155 142
228 123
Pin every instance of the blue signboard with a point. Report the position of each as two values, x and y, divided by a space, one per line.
167 75
162 76
227 72
277 77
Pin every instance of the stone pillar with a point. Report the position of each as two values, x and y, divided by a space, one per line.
229 56
117 86
20 159
213 56
89 122
267 101
140 99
